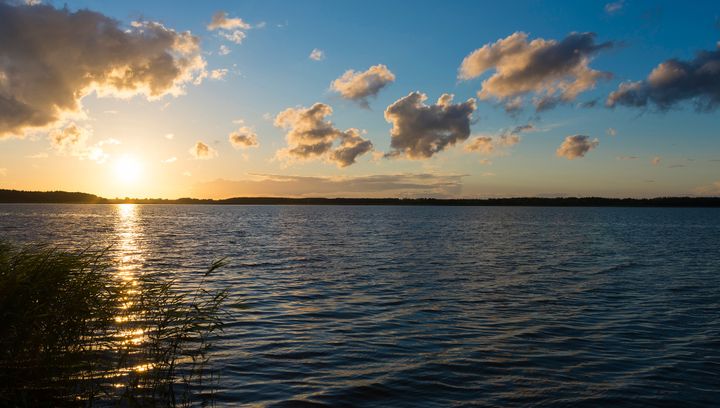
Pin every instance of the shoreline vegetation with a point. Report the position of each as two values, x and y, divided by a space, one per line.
76 331
64 197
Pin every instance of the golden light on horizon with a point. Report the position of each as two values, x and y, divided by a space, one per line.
128 169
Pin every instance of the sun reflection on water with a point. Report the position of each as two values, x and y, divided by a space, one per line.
128 251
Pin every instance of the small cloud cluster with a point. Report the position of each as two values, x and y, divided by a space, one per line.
72 140
420 130
229 28
489 144
243 138
675 81
656 160
359 86
218 74
317 55
39 86
611 132
202 151
554 71
310 135
576 146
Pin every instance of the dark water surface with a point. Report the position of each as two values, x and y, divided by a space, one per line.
435 306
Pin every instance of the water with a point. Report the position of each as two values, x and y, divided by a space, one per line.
435 306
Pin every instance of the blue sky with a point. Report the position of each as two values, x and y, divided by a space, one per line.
423 43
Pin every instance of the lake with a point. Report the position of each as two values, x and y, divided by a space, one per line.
433 306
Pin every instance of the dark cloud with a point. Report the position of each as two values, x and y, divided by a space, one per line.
576 146
359 86
381 185
51 58
420 130
675 81
310 135
554 71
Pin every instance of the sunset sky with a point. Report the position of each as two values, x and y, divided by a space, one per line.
364 98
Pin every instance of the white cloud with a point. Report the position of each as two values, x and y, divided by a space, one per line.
614 7
224 50
317 55
218 74
202 151
170 160
576 146
359 86
221 21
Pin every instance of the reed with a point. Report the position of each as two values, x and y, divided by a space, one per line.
73 334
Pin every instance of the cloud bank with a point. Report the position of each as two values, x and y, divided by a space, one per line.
51 58
381 185
419 130
310 136
359 86
553 71
675 81
576 146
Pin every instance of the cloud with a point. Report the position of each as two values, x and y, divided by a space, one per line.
218 74
611 132
224 50
614 7
553 71
236 36
576 146
243 138
41 155
709 190
50 59
380 185
359 86
169 136
627 157
656 160
229 28
3 171
72 140
675 81
317 54
488 144
420 130
170 160
221 21
310 135
201 151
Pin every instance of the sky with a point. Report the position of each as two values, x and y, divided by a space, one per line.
361 99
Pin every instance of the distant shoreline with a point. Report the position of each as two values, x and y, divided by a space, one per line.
64 197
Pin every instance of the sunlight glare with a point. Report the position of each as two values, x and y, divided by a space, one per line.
128 169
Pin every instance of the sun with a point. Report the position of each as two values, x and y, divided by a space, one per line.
128 169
